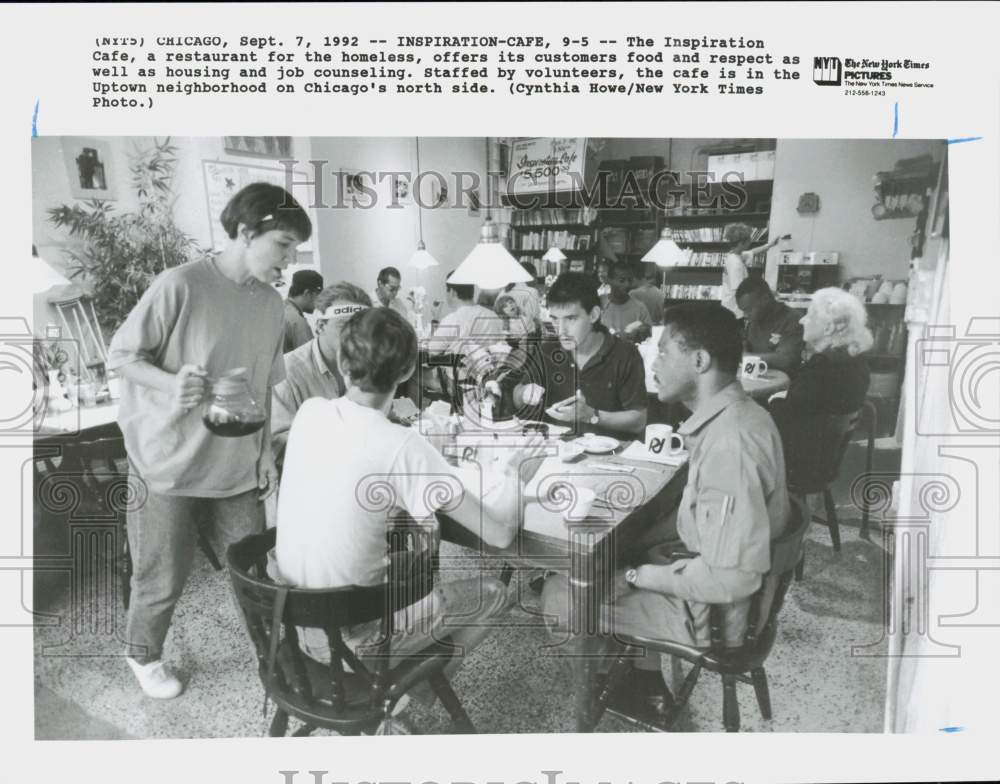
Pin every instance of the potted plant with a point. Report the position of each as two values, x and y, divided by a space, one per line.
119 253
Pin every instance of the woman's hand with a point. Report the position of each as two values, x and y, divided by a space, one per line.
267 473
189 387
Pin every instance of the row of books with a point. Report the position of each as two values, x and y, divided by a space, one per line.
584 215
702 259
678 291
713 233
543 240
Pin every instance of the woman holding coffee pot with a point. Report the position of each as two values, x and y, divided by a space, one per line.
196 323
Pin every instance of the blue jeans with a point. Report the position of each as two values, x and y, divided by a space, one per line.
162 535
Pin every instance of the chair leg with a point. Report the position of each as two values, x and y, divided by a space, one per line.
730 706
799 568
831 519
125 570
206 547
439 683
506 573
870 407
279 724
760 689
304 731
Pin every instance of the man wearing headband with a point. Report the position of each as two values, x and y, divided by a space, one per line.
311 370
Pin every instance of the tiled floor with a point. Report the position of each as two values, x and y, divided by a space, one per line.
508 685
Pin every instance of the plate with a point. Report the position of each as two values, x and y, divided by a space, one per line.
598 445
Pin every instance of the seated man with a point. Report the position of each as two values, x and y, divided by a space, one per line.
306 285
773 331
311 370
348 470
466 319
734 504
650 294
619 308
599 377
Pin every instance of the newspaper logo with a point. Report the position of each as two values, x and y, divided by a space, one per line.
827 71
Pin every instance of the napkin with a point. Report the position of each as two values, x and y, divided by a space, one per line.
637 451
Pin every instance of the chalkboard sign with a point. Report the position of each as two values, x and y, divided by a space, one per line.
544 165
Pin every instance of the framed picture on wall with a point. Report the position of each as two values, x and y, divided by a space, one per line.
89 168
260 146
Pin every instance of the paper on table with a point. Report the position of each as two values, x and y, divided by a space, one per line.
637 451
553 471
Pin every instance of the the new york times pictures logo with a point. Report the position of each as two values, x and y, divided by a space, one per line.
827 71
869 72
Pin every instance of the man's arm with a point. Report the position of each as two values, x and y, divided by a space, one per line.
787 355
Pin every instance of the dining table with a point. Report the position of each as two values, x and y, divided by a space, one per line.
631 496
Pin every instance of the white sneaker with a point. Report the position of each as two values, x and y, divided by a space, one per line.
155 679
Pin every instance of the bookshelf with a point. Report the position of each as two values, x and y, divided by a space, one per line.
698 222
534 231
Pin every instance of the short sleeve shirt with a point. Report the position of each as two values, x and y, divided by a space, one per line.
778 331
194 315
347 471
618 317
613 379
307 374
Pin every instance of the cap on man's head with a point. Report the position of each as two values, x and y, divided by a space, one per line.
304 281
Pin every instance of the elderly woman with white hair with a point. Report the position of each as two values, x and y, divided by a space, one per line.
834 378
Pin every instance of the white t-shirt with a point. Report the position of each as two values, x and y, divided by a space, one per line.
734 273
347 470
466 321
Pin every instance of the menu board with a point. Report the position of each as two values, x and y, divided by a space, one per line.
223 179
542 165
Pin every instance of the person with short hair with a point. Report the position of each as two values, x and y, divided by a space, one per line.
620 310
650 294
349 470
197 322
734 271
773 330
467 319
311 370
306 284
735 502
835 376
599 377
603 278
528 302
386 294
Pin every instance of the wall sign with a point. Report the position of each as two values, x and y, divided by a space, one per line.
542 165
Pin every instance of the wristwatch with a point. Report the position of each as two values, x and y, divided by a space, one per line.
596 418
631 575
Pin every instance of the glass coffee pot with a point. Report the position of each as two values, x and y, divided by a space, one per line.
228 409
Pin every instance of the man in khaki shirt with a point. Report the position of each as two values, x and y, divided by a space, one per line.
734 504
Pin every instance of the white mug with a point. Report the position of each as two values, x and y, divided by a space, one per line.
661 439
754 367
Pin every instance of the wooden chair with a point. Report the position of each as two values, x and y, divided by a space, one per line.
346 695
814 447
93 464
743 664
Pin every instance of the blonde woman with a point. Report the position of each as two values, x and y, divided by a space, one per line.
739 235
834 378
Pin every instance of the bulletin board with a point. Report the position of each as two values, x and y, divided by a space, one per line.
223 179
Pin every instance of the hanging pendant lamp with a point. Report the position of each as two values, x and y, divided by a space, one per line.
421 258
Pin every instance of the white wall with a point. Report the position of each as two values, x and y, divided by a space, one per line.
354 244
840 172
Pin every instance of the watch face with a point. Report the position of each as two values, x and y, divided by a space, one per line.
630 576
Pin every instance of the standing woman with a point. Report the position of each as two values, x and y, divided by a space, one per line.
195 323
738 235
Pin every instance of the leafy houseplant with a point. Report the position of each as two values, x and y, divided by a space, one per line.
119 253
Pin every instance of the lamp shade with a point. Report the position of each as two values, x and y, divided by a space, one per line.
421 258
554 254
489 265
666 252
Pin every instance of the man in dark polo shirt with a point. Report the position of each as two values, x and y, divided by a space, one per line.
773 331
599 377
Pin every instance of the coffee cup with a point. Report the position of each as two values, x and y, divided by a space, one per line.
581 500
754 367
662 440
